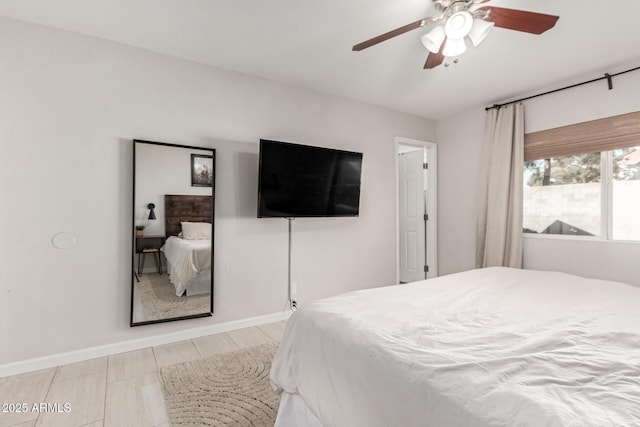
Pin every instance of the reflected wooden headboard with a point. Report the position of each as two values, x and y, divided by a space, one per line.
178 208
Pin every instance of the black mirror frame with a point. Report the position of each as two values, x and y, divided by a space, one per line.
133 239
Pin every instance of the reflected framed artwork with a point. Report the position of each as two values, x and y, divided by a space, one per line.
201 170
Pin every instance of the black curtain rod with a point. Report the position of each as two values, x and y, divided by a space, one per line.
607 76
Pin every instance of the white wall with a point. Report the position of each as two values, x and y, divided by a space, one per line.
162 170
460 143
70 106
459 147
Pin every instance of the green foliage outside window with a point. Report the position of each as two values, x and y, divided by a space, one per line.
581 168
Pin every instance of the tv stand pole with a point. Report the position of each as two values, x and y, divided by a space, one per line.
293 305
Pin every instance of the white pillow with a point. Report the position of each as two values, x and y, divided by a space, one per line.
196 230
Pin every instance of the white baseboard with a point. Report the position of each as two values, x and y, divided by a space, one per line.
59 359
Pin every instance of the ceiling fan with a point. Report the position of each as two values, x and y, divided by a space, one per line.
461 20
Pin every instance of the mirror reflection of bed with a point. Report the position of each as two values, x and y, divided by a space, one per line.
173 258
188 245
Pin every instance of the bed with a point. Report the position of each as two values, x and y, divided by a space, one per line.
189 265
188 256
488 347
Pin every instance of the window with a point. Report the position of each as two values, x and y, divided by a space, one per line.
592 194
584 179
562 195
625 194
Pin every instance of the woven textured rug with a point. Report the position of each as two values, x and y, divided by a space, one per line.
230 389
158 300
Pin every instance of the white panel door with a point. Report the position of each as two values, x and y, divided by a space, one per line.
411 216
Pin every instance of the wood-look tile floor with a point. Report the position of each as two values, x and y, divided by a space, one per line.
119 390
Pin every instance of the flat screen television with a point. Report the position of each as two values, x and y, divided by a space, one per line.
305 181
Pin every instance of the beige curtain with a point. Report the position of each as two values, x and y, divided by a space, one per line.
499 227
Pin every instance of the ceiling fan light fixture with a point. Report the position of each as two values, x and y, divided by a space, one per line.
458 25
480 31
454 47
433 39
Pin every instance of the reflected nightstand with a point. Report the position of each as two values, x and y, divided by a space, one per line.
149 245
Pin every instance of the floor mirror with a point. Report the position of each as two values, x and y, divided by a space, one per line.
172 235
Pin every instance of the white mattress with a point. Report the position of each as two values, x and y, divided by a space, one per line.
489 347
188 259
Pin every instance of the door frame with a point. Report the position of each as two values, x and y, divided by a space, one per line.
432 203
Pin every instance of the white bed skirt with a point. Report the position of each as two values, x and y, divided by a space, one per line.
293 412
201 284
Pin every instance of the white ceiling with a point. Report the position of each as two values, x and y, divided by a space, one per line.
308 43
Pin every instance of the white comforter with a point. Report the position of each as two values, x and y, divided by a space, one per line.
491 347
187 259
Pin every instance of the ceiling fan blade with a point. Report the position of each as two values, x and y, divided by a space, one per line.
520 20
391 34
433 60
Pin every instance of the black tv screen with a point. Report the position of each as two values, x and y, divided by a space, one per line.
304 181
